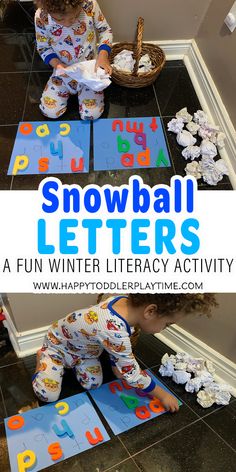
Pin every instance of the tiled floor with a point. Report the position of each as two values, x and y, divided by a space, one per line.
194 439
22 78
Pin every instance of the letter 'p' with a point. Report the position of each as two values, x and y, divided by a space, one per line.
21 163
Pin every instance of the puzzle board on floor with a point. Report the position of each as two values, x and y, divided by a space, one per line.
123 407
129 143
53 433
49 147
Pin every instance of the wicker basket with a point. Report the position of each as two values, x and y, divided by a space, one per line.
135 79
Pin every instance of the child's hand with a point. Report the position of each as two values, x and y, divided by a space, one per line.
169 402
103 62
116 372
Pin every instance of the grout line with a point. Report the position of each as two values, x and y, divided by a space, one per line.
3 402
219 436
115 465
167 437
9 124
8 365
124 446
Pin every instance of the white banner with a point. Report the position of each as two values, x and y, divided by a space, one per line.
64 239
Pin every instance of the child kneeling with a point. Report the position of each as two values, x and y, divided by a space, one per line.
78 340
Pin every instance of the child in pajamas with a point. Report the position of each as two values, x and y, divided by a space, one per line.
78 340
66 33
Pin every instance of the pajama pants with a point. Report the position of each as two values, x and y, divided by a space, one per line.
48 379
57 91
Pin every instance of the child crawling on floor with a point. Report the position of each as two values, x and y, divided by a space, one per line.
78 340
66 33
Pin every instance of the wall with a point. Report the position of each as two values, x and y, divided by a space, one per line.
164 19
219 331
218 46
34 311
30 311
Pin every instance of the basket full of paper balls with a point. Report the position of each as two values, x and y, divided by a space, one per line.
138 64
197 375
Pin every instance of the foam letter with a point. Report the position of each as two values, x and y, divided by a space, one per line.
97 439
26 460
43 164
125 385
65 431
130 402
127 160
156 406
25 128
21 163
116 123
42 131
141 140
64 408
57 152
66 127
80 166
55 451
142 412
123 144
153 125
134 128
162 159
16 422
144 158
113 386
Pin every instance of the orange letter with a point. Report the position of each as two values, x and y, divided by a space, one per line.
25 128
144 158
127 160
80 167
55 451
113 386
156 406
15 422
43 164
93 441
142 412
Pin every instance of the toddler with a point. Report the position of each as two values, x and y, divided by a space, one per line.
66 33
78 340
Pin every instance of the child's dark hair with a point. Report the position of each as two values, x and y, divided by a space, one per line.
171 303
57 6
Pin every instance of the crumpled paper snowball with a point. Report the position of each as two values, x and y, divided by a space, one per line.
181 377
200 117
195 365
124 61
145 64
220 392
180 365
210 367
191 152
182 357
192 127
205 377
208 148
220 140
193 169
185 138
166 370
205 399
183 113
84 73
210 173
222 167
175 125
193 385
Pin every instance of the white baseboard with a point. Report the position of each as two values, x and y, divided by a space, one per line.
208 94
181 340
